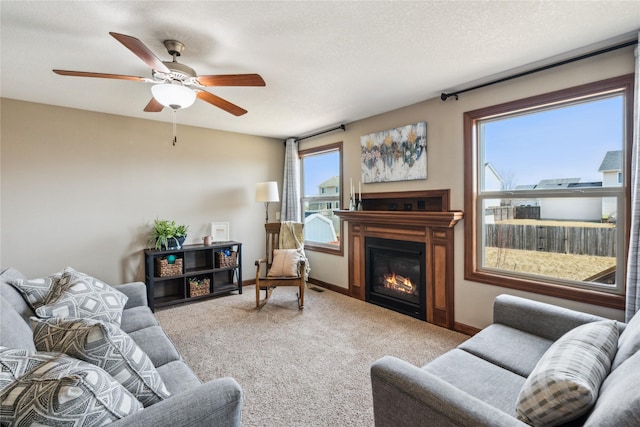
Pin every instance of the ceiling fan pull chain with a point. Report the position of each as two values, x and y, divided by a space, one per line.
175 129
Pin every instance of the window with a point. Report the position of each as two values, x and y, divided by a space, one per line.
321 195
546 208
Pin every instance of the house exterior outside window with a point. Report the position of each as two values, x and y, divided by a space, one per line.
321 170
611 169
546 210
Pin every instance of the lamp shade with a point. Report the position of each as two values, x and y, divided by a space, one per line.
267 192
174 96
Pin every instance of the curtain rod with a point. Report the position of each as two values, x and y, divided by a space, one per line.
323 132
444 96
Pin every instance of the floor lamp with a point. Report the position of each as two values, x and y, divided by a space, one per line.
267 192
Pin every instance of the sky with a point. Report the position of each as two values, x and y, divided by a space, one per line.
568 142
318 168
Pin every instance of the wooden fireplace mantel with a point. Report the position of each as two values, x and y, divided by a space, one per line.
430 219
433 227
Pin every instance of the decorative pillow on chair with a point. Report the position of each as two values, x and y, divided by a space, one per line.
285 263
36 291
104 345
83 296
566 380
53 389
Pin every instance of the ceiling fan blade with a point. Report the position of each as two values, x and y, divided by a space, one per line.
141 51
232 80
153 106
221 103
100 75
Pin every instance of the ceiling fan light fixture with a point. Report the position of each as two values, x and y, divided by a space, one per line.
174 96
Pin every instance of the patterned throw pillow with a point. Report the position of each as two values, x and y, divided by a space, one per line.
83 296
53 389
104 345
285 263
565 382
36 291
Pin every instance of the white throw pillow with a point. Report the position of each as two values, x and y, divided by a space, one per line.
566 380
285 263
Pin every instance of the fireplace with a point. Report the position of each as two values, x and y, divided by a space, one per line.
395 275
421 217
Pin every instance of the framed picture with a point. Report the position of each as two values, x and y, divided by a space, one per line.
398 154
220 231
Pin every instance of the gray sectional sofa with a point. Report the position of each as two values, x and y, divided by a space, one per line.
191 403
484 381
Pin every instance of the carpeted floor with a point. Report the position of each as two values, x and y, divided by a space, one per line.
299 368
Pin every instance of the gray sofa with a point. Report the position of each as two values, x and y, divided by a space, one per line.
478 383
192 403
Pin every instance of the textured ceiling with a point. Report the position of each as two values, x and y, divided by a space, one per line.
324 63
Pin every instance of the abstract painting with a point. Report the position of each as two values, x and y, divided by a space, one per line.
398 154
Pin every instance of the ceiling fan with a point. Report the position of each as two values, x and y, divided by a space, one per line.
175 85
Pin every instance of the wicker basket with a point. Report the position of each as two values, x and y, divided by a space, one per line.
198 287
165 269
223 260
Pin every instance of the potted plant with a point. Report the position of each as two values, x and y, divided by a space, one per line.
167 234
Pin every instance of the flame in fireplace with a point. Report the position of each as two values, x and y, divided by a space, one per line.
398 283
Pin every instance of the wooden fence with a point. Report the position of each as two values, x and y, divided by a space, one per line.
501 213
568 240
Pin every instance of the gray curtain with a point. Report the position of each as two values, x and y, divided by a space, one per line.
290 205
633 263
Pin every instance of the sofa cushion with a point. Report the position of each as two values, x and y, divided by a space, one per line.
544 320
479 378
104 345
628 343
565 382
618 404
54 389
178 377
136 318
12 295
10 273
156 344
16 333
83 296
508 348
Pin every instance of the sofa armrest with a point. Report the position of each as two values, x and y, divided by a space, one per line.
215 403
538 318
405 395
136 292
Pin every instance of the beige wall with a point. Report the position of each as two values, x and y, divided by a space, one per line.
81 189
473 301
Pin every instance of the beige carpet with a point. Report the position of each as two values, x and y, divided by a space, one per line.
299 368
